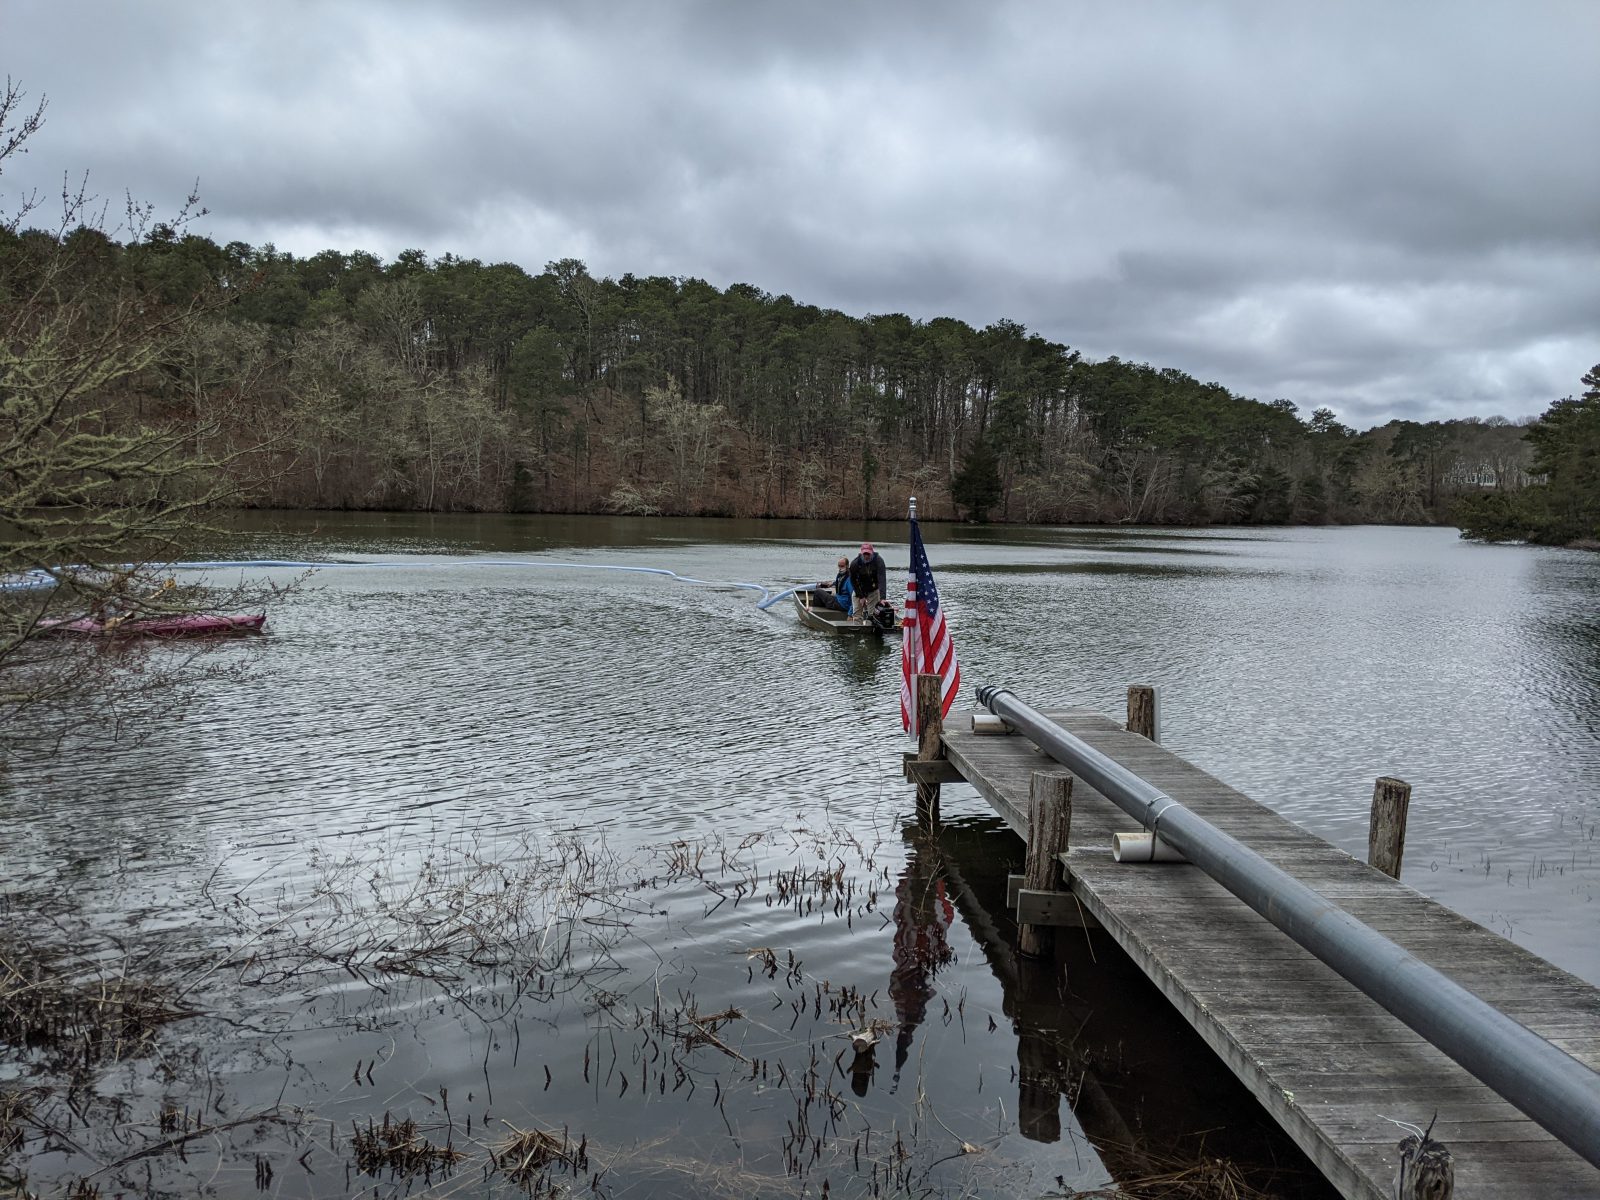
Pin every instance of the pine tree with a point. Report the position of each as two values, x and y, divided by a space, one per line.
976 487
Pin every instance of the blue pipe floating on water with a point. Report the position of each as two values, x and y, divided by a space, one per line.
26 581
30 580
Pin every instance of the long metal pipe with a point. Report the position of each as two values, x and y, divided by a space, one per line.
1549 1085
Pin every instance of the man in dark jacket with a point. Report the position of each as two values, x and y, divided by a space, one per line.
869 578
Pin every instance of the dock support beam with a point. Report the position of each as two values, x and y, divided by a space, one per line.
1049 824
1386 835
1142 712
930 729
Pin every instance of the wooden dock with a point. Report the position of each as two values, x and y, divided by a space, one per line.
1332 1067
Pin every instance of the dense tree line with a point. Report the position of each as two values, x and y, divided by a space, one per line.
1562 507
448 384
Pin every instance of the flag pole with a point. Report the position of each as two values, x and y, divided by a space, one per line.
913 515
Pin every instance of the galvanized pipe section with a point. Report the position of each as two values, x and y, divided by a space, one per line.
1552 1087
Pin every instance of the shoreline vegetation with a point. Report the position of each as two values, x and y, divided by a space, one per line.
342 382
148 369
1562 508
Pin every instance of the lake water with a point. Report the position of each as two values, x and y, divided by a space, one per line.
495 840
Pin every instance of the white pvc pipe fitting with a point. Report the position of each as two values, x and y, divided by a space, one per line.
1142 848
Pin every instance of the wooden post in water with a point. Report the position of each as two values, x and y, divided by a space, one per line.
930 727
1142 711
1427 1169
1049 823
1386 835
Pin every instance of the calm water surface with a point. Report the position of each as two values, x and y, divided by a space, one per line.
425 709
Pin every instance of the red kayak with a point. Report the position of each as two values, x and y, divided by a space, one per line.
186 625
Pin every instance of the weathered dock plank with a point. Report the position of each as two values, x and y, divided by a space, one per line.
1331 1066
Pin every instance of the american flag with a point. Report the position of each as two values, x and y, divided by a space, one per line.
925 645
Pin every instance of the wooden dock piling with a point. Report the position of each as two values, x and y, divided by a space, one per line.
1049 827
1142 713
1386 835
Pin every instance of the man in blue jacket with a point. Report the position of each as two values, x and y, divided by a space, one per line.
838 592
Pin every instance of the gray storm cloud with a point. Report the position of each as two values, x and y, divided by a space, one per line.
1389 210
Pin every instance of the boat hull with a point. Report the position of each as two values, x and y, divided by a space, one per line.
183 626
830 620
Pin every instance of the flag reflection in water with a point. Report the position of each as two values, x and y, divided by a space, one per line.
922 917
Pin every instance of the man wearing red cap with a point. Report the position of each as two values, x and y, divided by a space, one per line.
869 578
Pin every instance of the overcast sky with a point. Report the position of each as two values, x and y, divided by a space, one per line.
1392 209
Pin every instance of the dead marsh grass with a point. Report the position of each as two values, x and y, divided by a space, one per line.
1144 1173
400 1149
533 1159
561 929
76 1022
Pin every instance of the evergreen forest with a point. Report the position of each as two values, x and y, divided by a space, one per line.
343 381
1561 507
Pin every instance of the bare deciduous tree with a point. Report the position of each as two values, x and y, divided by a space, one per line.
692 435
106 472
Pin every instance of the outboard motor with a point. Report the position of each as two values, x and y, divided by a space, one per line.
883 617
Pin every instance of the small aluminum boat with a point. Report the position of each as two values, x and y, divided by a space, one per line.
816 609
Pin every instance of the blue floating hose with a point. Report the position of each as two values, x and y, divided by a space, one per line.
771 600
28 580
